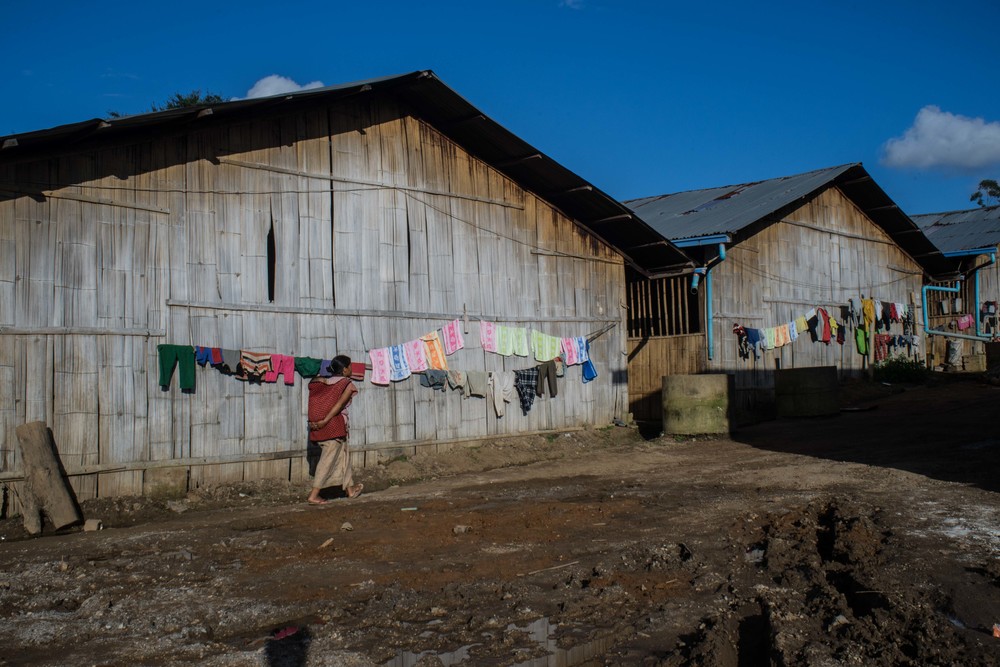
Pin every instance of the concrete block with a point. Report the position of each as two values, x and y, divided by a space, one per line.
165 482
697 404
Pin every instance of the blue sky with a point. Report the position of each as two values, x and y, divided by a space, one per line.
639 98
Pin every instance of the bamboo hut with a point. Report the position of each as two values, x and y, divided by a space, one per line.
330 221
770 252
964 313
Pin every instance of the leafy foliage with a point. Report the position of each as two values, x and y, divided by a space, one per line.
988 193
900 369
180 101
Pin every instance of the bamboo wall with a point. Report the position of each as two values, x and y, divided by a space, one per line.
822 254
383 230
945 318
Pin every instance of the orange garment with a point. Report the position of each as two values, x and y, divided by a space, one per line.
435 351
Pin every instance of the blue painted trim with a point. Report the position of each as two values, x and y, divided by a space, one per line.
971 252
701 240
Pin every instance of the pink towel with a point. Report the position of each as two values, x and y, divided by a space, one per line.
452 335
965 321
381 365
416 355
571 351
488 336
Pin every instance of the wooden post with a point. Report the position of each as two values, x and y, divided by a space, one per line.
45 487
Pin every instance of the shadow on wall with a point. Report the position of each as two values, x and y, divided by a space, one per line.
944 432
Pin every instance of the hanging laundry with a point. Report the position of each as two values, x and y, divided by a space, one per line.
381 365
435 379
399 369
502 388
770 335
573 350
230 362
476 383
742 341
589 371
520 339
561 366
456 379
434 351
834 327
358 371
755 340
207 355
281 364
181 356
868 312
781 336
793 333
886 315
416 355
545 347
841 334
965 321
801 324
505 340
526 383
861 340
824 328
451 335
488 336
547 371
253 366
307 367
881 346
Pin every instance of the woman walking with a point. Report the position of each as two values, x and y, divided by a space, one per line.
329 399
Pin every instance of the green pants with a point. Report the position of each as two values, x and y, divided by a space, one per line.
171 356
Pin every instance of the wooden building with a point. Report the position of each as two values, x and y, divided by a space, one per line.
971 237
324 222
769 252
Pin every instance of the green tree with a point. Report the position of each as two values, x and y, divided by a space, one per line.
180 101
988 193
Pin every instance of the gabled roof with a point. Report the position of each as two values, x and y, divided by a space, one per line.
955 231
428 98
740 211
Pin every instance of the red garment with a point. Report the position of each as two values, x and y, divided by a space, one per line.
322 398
824 320
357 370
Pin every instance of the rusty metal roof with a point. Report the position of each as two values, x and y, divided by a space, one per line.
954 231
740 211
428 98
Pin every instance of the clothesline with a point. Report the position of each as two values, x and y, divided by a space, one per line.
824 327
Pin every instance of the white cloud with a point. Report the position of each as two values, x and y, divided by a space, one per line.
942 139
275 84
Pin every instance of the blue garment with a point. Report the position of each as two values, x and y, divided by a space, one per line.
589 372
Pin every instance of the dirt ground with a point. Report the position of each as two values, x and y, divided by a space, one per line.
869 538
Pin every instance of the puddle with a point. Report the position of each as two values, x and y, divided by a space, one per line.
539 634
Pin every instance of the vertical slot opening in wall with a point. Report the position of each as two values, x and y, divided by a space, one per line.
272 255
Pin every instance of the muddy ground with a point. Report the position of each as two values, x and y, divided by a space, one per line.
869 538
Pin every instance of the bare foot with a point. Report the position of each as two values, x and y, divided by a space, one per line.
317 501
355 490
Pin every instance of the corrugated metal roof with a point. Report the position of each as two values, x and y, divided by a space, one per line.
728 209
740 211
428 98
962 230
